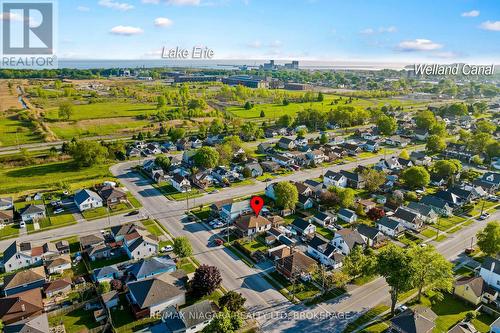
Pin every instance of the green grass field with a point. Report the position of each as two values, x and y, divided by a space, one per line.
104 110
9 231
274 111
48 176
75 321
152 227
14 132
109 126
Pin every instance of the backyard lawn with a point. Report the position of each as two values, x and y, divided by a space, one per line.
124 321
9 231
152 227
76 321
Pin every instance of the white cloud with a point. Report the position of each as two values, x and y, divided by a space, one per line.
183 2
83 9
163 22
256 44
10 17
151 1
490 25
381 30
115 5
472 13
126 30
418 44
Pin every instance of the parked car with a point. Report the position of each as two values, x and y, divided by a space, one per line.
59 211
132 213
484 216
168 248
219 242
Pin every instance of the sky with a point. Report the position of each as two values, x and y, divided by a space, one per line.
443 31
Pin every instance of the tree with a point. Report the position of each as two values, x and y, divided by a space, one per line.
286 195
206 157
416 177
182 247
447 168
480 141
248 106
65 110
373 179
321 97
354 263
206 280
323 139
493 149
262 114
285 121
163 162
337 279
88 153
177 133
439 129
430 270
161 102
346 196
435 144
104 287
404 154
425 120
224 322
375 213
232 301
394 264
216 127
301 133
488 239
387 125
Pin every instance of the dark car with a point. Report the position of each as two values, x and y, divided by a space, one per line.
132 213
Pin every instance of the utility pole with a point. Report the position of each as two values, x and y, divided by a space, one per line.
482 207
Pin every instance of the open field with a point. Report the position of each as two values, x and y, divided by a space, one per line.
104 110
274 111
48 176
14 132
8 97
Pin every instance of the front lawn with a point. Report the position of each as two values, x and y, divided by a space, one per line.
366 317
171 193
9 231
99 263
152 227
303 290
186 265
254 245
202 214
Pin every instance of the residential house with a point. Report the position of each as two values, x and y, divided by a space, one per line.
303 189
229 212
427 213
350 148
458 151
283 161
265 147
324 219
322 250
150 297
474 290
112 195
492 178
410 218
305 202
192 319
57 287
420 319
317 156
420 158
152 148
87 199
421 134
146 268
180 183
224 175
373 237
371 145
336 179
270 166
286 143
450 198
315 186
303 227
33 278
389 164
110 299
141 244
21 306
21 255
95 247
437 180
347 215
354 180
35 324
249 225
62 246
202 179
58 264
463 327
216 207
367 204
296 265
405 163
6 210
345 240
33 213
440 206
397 141
490 272
255 169
106 274
390 226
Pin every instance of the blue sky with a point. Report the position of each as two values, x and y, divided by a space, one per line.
364 30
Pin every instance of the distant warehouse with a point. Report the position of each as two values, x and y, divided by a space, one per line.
247 81
297 86
196 78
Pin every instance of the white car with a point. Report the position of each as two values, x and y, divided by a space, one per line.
59 211
168 248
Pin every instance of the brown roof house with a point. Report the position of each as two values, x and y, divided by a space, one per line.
57 287
21 281
6 210
38 324
58 264
21 306
112 195
296 265
474 290
250 225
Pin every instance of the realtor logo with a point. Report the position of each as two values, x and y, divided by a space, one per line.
28 34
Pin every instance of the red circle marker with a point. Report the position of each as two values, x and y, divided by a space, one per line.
257 203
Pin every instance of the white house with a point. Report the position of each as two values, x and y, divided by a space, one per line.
180 183
346 239
490 272
231 211
334 179
347 215
21 255
390 226
141 247
33 213
324 252
87 199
